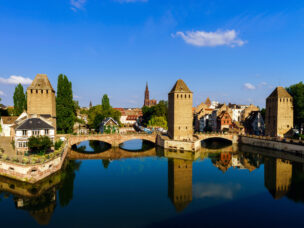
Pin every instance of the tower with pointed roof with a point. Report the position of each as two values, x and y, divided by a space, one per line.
147 96
180 125
279 113
41 99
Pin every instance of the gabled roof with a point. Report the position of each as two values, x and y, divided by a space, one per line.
180 86
9 119
106 120
41 81
280 92
34 124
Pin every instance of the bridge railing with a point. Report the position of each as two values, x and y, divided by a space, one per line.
124 133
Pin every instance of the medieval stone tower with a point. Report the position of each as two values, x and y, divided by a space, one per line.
41 99
180 99
279 113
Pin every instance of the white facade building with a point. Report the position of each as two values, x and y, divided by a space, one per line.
32 127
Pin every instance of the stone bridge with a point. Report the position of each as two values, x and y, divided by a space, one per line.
112 154
113 139
234 138
116 139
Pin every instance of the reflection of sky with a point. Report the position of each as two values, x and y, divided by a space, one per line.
213 190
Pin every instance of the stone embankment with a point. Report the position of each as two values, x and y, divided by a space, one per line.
24 170
287 145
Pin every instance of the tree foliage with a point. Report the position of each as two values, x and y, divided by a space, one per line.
98 113
105 103
159 110
297 92
158 121
40 144
19 100
65 106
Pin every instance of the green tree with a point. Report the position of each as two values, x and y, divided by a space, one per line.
158 121
297 92
65 106
40 144
105 103
19 100
159 110
98 113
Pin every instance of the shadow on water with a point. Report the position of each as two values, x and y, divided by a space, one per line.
216 143
137 145
91 147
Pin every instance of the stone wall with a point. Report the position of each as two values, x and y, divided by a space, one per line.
297 148
32 173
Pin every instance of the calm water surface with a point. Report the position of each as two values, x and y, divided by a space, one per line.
228 187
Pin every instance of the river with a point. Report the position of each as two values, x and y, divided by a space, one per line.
220 186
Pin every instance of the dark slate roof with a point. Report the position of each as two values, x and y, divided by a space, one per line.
34 124
180 86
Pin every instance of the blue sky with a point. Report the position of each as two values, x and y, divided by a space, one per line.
230 50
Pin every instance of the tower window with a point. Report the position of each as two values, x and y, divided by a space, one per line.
31 91
177 95
41 91
47 91
189 96
181 96
36 90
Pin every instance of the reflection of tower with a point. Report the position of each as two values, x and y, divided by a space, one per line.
278 174
180 183
41 208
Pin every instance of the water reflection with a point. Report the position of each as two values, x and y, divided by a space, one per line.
91 147
196 180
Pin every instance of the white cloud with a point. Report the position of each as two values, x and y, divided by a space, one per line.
249 86
76 96
212 190
211 39
2 93
77 4
14 80
130 1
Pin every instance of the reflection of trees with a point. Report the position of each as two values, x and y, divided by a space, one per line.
296 192
106 163
67 185
99 146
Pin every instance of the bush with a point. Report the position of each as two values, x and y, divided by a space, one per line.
40 144
58 144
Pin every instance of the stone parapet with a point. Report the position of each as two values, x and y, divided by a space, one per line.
32 173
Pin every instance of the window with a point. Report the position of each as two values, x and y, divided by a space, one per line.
41 91
36 90
189 96
31 91
46 131
177 95
47 91
20 144
24 132
36 132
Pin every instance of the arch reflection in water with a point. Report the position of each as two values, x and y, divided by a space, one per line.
137 145
91 147
216 143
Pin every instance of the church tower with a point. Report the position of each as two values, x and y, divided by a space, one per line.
41 99
180 99
147 96
279 113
